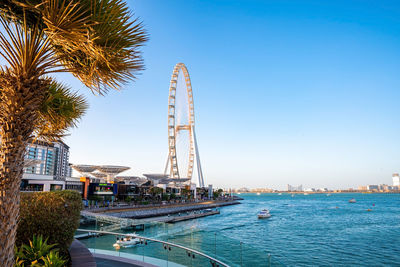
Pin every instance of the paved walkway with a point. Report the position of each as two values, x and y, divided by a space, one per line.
80 255
113 261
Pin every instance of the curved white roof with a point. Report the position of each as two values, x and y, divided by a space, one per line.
85 168
178 180
156 176
99 174
109 169
132 179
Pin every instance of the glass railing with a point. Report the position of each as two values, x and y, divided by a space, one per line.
163 245
223 247
148 250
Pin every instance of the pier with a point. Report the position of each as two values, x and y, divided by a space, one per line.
141 213
191 216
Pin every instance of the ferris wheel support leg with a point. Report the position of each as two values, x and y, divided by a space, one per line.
199 170
166 165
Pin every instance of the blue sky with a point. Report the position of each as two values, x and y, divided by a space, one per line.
298 92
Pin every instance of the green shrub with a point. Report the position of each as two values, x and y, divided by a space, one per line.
53 259
54 215
38 253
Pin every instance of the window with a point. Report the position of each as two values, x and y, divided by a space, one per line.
56 187
31 187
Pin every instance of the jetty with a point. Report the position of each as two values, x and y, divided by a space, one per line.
148 212
191 216
137 218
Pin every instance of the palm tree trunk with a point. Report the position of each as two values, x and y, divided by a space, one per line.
11 167
20 99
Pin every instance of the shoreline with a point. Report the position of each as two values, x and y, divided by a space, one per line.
328 192
149 212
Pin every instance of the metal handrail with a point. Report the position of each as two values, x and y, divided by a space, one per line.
213 260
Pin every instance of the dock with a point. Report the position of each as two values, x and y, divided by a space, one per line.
191 216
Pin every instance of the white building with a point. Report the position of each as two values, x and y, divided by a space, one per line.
372 187
396 179
292 188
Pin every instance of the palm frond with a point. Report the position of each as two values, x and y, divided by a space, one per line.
27 50
62 109
19 11
110 55
95 40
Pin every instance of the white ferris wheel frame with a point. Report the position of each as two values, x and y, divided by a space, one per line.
174 129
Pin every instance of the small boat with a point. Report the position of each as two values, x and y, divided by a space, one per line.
258 194
126 241
306 194
353 200
292 195
369 209
279 194
263 214
328 195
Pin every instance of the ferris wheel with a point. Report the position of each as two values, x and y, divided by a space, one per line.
183 150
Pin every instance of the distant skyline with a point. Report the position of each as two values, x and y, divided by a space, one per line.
285 92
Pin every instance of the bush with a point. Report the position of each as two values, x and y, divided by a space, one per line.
54 215
38 253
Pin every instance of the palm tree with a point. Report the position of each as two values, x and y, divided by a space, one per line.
95 40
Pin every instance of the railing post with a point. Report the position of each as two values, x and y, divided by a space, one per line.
143 249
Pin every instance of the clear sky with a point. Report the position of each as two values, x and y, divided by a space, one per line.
298 92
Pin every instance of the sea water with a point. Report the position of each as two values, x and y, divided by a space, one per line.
304 230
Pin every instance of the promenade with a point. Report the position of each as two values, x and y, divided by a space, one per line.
148 211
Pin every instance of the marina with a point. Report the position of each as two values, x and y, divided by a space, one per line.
237 230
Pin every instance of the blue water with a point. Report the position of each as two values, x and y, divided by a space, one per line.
312 230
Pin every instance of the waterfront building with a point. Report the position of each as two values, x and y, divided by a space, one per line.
292 188
243 190
47 166
362 188
372 187
396 179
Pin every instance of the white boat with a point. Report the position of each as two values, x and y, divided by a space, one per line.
279 194
258 194
126 242
353 200
328 195
263 214
306 194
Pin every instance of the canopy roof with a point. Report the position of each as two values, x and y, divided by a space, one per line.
85 168
156 176
132 180
109 169
99 174
102 170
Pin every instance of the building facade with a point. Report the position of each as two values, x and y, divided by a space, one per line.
396 179
292 188
47 166
52 159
